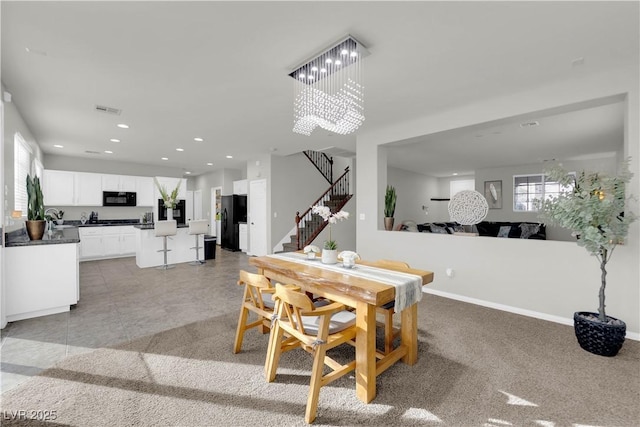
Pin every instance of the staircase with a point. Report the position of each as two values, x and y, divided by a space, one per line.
310 225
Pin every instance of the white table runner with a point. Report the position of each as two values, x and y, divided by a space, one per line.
408 286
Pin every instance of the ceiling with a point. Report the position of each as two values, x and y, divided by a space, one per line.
219 70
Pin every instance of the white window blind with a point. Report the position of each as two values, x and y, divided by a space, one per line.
22 166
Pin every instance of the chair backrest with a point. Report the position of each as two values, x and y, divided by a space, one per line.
166 228
254 283
198 226
291 305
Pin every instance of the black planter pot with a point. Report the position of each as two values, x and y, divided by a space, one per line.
596 337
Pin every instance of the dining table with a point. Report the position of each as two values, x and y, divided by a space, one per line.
363 288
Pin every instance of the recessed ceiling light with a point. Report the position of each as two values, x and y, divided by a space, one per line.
114 140
179 149
122 126
164 158
108 151
198 139
455 174
209 164
59 146
229 157
187 173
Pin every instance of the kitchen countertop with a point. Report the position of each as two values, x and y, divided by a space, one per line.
152 227
56 237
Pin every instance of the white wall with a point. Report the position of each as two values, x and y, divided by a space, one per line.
413 191
549 278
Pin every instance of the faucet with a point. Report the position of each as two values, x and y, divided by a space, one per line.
49 222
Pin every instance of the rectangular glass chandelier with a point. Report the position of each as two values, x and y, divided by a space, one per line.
328 91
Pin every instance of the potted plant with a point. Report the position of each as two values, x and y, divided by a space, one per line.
389 207
592 206
35 209
170 199
330 251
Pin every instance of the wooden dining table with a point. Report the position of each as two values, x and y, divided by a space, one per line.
362 294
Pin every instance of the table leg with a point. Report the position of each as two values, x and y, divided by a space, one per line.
409 333
365 352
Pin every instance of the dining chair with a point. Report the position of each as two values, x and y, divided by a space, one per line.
258 299
299 323
388 309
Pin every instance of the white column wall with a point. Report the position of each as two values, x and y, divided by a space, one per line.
548 279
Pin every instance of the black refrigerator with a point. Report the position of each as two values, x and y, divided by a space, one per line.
233 211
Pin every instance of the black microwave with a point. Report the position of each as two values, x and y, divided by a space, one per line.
118 198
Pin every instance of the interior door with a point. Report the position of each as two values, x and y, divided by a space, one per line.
257 217
197 204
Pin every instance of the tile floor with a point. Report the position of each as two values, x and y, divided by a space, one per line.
118 302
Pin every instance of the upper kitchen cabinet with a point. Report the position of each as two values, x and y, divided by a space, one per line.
66 188
240 187
118 183
58 188
144 190
88 189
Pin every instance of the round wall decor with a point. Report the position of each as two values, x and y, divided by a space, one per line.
468 207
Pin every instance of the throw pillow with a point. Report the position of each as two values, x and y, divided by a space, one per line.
504 231
528 230
438 229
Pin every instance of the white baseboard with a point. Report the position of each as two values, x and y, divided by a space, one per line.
529 313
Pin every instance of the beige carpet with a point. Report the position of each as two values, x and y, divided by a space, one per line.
477 367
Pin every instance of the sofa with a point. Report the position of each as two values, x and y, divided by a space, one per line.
512 230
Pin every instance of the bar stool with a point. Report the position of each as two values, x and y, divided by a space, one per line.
165 229
198 227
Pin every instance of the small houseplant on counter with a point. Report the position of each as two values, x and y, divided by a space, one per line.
330 251
389 207
592 206
35 209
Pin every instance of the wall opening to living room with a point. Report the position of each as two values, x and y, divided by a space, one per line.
585 135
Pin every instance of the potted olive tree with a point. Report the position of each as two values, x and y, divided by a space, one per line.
35 209
389 207
592 206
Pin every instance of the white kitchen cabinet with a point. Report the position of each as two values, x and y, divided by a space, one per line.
240 187
88 189
40 280
90 242
243 237
107 242
144 190
58 188
118 183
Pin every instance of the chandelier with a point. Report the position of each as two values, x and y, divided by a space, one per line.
328 90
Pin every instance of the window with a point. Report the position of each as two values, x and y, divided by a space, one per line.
528 188
22 166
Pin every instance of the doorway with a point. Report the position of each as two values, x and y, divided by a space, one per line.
258 217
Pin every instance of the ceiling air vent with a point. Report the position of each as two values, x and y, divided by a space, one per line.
109 110
529 124
92 152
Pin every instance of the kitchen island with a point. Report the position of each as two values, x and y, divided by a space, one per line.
149 247
42 276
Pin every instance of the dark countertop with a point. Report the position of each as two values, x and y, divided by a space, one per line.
152 227
103 222
56 237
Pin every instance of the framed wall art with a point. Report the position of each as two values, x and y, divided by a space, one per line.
493 194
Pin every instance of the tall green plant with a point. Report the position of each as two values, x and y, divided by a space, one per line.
390 201
594 211
35 200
